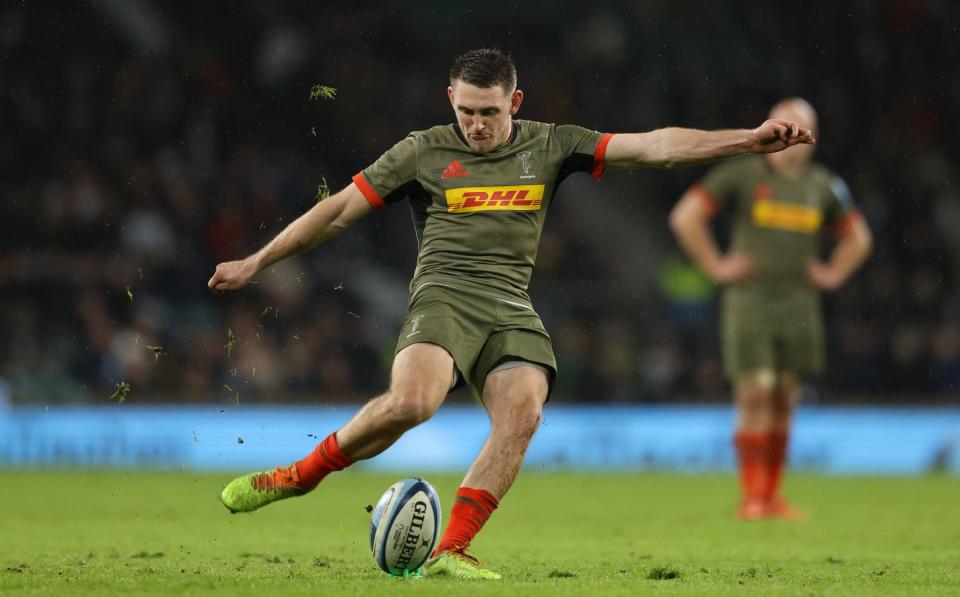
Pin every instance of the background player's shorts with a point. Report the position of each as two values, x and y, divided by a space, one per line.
479 327
779 331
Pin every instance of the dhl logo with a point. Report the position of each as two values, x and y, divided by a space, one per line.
518 198
787 216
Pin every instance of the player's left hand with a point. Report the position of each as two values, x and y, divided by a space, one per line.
823 277
776 135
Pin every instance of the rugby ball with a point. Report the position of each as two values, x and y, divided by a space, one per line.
405 526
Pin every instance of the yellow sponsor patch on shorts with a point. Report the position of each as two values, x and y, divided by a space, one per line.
516 198
787 216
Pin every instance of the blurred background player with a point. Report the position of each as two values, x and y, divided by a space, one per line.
479 191
771 318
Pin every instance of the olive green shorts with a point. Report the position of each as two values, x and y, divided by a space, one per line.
782 332
480 328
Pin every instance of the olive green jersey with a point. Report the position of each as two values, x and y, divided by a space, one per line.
478 216
776 219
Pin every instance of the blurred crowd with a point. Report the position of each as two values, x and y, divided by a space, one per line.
144 142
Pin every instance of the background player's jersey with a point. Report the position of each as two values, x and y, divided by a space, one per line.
776 219
478 216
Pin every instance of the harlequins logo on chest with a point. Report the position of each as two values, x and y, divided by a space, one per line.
524 157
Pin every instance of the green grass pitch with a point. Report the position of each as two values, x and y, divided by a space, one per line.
555 534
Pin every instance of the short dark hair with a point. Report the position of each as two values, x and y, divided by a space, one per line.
485 67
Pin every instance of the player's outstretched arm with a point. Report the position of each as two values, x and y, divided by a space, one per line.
674 147
690 222
324 220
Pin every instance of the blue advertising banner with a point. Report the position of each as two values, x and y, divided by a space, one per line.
880 441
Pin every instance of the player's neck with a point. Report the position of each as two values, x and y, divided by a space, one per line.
788 168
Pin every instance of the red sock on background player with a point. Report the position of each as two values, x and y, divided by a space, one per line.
776 461
471 509
753 458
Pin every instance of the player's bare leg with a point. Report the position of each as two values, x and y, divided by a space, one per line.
421 377
514 400
754 399
783 405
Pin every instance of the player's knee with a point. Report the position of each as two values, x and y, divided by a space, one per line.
782 405
753 399
524 413
409 408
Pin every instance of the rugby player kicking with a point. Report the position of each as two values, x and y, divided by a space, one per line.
771 321
479 191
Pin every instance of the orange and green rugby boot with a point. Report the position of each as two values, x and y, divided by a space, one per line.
255 490
457 564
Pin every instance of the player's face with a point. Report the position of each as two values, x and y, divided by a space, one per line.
484 114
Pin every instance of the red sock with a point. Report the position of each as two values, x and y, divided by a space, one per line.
752 452
776 459
325 459
471 509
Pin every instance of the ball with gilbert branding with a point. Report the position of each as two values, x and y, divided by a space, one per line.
405 526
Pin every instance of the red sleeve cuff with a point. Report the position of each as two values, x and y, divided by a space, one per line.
846 223
709 202
375 200
599 156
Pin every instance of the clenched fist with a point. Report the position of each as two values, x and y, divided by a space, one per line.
232 275
776 135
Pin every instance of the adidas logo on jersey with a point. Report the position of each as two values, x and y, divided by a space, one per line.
454 170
